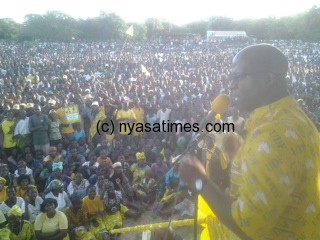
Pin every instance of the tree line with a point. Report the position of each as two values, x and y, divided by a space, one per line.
57 26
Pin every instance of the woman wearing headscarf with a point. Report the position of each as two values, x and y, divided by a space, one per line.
114 208
12 201
19 229
140 170
143 184
57 173
33 205
55 191
50 223
3 190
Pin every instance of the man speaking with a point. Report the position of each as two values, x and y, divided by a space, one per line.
275 178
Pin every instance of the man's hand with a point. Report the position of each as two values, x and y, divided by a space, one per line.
190 170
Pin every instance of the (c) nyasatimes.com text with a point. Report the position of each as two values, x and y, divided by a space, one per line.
165 126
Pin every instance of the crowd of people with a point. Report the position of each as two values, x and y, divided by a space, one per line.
62 179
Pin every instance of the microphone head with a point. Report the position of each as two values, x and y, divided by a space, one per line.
220 104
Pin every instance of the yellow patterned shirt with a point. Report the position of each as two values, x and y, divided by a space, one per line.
277 183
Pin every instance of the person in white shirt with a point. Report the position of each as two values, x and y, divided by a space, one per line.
55 191
24 170
33 206
21 130
11 201
78 186
163 115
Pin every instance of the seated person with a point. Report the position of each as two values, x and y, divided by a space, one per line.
78 186
9 177
57 173
106 146
53 156
104 159
19 229
77 219
33 205
114 208
23 183
175 188
75 157
11 201
24 170
94 210
55 191
51 223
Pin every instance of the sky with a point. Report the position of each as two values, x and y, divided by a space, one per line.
176 11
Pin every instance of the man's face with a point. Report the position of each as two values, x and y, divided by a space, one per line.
246 85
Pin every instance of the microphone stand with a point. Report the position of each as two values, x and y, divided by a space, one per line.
195 223
189 149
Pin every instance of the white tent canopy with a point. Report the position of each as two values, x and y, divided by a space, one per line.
225 34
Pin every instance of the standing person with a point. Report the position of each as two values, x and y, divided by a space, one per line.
7 131
21 130
163 115
38 125
54 130
275 176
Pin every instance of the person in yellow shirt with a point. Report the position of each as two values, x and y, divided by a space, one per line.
125 116
7 129
3 190
139 113
275 175
94 210
66 126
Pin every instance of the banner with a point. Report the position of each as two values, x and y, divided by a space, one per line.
72 114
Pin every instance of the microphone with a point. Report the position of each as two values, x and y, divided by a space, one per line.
219 105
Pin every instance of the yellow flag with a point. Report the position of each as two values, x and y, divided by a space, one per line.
144 70
130 31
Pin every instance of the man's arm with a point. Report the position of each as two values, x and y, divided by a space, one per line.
221 206
190 170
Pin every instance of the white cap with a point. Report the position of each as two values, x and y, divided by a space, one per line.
117 164
95 103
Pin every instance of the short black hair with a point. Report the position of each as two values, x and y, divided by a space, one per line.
46 201
23 177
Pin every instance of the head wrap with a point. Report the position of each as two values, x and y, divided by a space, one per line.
54 185
57 166
30 105
3 180
140 156
15 211
117 164
16 107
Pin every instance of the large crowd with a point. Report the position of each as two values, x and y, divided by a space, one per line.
60 178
